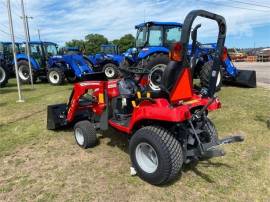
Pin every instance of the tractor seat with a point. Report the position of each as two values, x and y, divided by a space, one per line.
169 78
159 94
85 101
170 75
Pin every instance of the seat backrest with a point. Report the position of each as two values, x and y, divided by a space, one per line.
177 81
170 75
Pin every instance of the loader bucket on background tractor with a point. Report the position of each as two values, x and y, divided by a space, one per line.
235 76
245 78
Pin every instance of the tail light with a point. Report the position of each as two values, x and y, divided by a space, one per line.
176 52
224 54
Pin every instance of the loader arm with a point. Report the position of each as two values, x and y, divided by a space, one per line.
95 90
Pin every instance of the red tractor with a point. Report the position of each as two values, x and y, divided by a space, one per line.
167 128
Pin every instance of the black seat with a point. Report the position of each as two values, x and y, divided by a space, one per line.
170 75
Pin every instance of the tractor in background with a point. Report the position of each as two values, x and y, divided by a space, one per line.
153 41
107 61
47 64
6 61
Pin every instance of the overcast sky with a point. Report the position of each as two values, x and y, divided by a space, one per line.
60 21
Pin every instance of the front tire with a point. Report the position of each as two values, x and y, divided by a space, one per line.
110 70
56 76
85 134
4 76
156 155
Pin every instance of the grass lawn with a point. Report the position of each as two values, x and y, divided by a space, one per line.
42 165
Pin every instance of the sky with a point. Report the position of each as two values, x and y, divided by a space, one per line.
248 25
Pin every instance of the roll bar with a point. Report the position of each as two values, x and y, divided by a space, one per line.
186 30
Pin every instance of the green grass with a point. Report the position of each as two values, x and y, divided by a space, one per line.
42 165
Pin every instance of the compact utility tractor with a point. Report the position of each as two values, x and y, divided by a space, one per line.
167 128
107 61
153 42
47 64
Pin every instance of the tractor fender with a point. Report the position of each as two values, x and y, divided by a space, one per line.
92 59
24 57
109 61
147 51
88 59
116 59
158 111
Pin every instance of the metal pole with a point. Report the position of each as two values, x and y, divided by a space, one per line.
27 25
27 43
39 35
14 51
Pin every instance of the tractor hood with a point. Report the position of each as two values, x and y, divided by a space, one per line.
76 63
150 50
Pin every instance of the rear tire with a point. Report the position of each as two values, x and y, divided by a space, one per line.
110 70
205 76
56 76
210 133
85 134
156 64
4 76
156 155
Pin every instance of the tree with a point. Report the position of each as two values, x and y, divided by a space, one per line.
76 43
126 42
115 42
93 43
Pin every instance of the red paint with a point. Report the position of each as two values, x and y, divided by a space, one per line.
160 110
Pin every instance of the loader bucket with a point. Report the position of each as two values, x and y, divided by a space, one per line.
245 78
56 116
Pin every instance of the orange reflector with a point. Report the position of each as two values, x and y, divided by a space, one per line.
133 103
101 98
176 52
139 95
224 54
183 88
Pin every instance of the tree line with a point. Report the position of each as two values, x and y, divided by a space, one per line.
92 42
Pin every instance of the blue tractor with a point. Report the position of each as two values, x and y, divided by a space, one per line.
47 64
107 60
152 46
6 61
